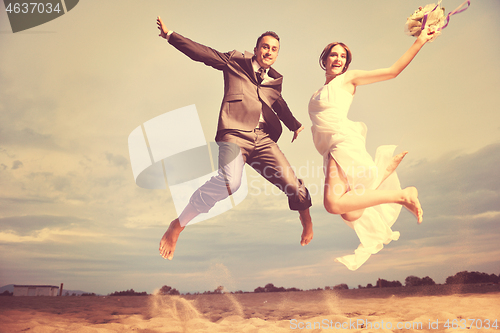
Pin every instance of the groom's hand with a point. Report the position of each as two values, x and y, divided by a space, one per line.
296 133
163 29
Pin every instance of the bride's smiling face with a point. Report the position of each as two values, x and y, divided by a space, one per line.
336 60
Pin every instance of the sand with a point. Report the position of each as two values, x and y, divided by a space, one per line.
417 309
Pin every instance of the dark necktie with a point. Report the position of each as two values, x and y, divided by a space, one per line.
260 75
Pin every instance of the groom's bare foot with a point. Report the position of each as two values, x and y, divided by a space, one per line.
394 164
169 240
411 202
307 227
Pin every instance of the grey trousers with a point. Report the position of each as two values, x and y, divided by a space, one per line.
258 150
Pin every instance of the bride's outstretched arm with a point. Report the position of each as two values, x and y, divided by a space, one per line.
357 77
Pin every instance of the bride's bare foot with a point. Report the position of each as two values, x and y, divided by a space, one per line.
169 240
411 202
307 227
394 164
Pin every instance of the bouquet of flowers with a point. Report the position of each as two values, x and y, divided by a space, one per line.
431 16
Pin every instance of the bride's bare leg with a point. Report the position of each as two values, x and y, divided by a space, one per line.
338 199
336 186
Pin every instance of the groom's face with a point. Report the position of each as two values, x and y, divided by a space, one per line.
267 51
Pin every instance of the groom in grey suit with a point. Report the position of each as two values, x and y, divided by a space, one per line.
248 129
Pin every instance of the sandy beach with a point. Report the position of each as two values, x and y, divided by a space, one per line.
458 308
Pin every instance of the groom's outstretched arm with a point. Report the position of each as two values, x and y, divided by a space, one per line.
286 116
194 50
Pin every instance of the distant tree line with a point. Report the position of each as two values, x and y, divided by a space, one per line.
382 283
270 288
413 281
129 292
464 277
167 290
472 277
337 287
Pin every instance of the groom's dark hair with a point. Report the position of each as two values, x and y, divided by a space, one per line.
267 33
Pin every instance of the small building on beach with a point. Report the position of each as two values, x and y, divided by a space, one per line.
35 290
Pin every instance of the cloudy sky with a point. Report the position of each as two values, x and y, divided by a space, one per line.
73 89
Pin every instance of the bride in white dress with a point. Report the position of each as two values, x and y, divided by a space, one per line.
366 193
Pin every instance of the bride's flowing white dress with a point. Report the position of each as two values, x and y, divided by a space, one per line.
344 140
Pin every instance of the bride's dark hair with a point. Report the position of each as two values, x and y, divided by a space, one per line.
326 53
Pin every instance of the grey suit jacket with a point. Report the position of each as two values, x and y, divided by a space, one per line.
244 98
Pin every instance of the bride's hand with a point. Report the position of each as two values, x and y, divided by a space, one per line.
427 34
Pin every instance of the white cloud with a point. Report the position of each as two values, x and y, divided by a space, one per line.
52 235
